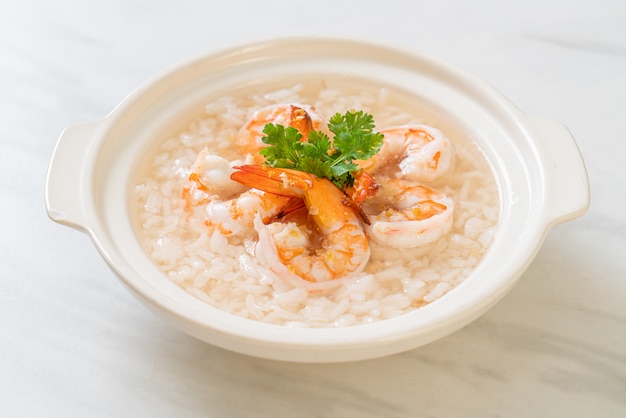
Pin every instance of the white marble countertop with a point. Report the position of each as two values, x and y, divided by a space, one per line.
74 342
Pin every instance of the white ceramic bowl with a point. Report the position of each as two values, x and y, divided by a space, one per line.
539 171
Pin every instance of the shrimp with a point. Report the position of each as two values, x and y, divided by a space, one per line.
209 175
408 214
236 216
302 117
227 205
420 152
343 248
363 188
402 212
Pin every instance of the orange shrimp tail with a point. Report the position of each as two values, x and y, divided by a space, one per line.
293 206
300 119
280 181
363 188
277 181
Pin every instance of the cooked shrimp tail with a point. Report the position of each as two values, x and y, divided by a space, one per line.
303 118
363 188
271 180
292 206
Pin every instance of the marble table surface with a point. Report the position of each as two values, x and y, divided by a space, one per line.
75 343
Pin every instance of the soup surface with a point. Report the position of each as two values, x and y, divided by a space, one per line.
221 266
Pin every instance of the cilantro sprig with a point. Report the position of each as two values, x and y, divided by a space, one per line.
354 139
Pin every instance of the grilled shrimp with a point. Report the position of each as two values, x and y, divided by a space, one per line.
290 249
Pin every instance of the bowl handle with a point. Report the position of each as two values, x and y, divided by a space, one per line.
66 182
567 184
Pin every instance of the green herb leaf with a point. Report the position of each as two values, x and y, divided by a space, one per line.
354 139
353 135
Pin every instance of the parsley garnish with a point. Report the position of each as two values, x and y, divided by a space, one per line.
354 139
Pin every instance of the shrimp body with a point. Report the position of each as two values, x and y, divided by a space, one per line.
228 206
409 214
420 152
209 176
404 213
236 216
343 247
302 117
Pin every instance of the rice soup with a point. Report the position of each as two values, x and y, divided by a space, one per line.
223 270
